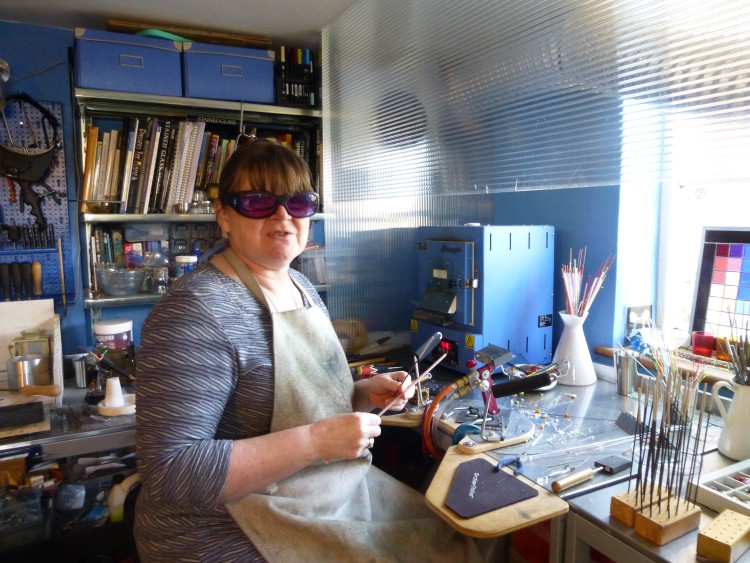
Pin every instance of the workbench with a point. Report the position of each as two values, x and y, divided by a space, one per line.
574 426
75 429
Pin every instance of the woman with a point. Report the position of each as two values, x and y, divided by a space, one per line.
252 440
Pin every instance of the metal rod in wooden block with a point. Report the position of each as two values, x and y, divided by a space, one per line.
661 526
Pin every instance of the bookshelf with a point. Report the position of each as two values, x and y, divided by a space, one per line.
121 120
96 300
107 110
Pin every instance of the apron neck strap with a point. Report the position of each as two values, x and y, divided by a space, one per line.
251 283
246 276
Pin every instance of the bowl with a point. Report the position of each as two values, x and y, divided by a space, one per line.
103 206
119 282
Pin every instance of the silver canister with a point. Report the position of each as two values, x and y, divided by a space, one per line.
77 363
32 369
626 370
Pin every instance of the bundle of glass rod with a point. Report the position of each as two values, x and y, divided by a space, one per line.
577 301
668 444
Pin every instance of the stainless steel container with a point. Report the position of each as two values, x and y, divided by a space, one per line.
626 370
75 364
31 369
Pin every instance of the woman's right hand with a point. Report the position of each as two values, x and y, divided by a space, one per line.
344 436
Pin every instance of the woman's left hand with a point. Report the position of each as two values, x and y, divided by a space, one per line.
382 388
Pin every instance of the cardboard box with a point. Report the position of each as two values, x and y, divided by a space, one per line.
219 72
127 63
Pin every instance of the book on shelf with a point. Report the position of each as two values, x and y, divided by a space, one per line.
97 170
204 148
114 181
150 165
142 172
213 151
221 159
128 159
133 253
94 253
110 165
136 170
117 251
92 137
187 186
161 164
161 201
101 174
178 164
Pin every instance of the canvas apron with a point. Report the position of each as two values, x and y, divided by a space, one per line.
344 510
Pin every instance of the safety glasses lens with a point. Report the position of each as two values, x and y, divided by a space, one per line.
259 205
302 205
256 206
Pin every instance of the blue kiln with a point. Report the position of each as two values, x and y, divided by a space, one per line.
482 285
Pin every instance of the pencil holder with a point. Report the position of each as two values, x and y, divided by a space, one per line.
573 347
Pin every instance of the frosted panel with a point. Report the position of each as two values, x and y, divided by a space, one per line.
434 107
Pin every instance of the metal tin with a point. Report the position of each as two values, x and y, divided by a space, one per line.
32 341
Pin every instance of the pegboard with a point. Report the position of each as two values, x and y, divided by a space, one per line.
23 129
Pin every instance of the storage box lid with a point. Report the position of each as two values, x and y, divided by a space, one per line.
190 48
83 34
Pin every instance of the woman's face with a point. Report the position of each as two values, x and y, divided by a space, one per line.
271 243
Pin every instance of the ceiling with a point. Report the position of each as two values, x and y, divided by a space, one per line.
295 22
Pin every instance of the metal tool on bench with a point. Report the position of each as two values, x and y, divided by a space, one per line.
426 348
610 465
493 357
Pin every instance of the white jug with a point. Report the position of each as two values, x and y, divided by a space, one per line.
734 440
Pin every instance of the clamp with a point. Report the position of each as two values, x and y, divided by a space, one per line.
515 463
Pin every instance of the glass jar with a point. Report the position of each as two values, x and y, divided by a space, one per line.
114 340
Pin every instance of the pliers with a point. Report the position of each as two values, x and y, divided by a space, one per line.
515 463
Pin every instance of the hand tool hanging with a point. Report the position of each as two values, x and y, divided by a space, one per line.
30 163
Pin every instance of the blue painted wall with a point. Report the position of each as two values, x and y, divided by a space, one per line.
582 217
40 66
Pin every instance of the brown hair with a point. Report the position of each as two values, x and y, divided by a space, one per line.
265 165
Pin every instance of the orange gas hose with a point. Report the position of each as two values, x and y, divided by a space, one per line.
427 420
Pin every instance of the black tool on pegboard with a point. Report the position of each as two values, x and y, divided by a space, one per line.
30 162
34 213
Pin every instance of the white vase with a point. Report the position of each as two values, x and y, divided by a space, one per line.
573 347
734 441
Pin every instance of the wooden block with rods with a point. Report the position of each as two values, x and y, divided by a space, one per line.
661 527
726 538
623 507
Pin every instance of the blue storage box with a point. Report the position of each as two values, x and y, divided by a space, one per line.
127 63
219 72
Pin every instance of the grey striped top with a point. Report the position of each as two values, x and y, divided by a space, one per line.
205 378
